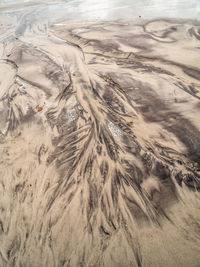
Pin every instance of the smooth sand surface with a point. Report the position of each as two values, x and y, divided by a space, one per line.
100 143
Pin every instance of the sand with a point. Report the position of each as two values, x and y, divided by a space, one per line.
100 144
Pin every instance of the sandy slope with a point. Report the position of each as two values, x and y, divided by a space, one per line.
100 145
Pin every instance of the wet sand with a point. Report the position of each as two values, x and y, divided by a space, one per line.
100 144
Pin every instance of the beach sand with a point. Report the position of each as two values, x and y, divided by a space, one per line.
100 144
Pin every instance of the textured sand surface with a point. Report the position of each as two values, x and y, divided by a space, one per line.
100 144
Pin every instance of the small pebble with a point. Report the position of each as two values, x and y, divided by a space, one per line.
39 108
130 123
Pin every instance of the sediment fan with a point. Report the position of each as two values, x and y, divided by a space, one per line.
100 145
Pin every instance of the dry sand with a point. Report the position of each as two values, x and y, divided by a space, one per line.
100 145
